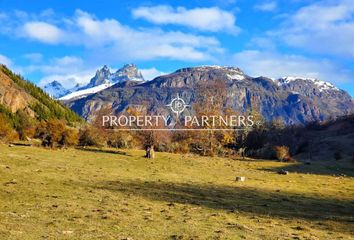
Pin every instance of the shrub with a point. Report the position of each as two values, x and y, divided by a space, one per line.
6 131
55 133
267 152
25 126
90 136
50 132
179 147
69 137
120 140
255 139
282 154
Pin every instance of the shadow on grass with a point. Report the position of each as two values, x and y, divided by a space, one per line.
321 168
242 199
102 150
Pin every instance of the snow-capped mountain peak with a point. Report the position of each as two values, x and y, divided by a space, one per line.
55 89
104 78
321 85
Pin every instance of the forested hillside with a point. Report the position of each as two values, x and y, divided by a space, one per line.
23 106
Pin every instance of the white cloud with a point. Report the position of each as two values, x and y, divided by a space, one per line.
114 41
42 31
64 64
33 57
267 6
262 43
68 70
275 65
206 19
151 73
68 80
5 60
68 61
326 27
144 44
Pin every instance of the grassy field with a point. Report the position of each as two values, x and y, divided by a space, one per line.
77 194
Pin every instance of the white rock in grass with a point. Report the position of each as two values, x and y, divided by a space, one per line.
240 179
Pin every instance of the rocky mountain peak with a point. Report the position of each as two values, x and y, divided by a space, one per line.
193 76
105 68
128 72
54 83
103 72
303 82
230 73
55 89
103 79
100 77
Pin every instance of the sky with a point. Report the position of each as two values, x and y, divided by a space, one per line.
68 41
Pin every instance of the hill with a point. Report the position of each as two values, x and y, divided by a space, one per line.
330 142
294 100
22 101
77 194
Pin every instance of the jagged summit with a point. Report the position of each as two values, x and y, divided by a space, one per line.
104 78
128 72
101 76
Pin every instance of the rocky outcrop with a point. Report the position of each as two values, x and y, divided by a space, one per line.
12 96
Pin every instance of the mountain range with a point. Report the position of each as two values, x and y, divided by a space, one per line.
294 100
102 80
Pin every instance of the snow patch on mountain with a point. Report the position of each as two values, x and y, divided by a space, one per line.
236 76
87 91
294 78
321 85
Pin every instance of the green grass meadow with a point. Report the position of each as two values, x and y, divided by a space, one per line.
81 194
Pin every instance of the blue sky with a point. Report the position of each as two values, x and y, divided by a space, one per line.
69 40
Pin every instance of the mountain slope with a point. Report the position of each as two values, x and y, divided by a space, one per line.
294 101
17 94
